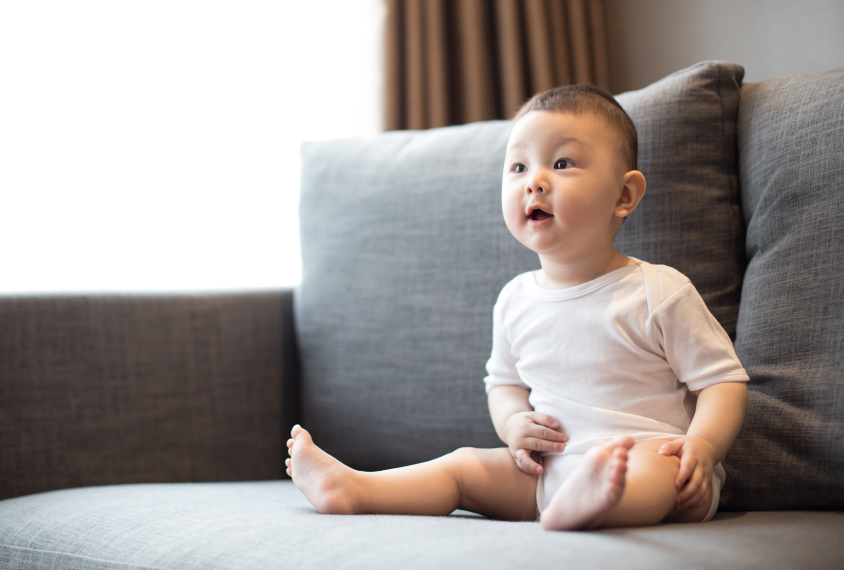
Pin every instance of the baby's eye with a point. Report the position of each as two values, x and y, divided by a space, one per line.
518 168
562 164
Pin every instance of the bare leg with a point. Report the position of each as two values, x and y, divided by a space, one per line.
650 492
620 484
485 481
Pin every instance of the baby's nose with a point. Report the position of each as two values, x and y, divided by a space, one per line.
535 186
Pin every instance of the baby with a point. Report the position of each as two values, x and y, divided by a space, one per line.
615 390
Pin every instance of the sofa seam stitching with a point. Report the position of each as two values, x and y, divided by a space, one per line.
79 556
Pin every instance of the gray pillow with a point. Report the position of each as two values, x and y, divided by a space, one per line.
689 218
790 338
405 250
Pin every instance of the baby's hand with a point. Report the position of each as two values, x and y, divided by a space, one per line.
532 431
695 476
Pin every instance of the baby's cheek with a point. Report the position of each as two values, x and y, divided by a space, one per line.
513 217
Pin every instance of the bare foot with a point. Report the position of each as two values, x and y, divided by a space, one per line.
594 488
328 484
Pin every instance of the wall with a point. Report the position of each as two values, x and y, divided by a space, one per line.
648 39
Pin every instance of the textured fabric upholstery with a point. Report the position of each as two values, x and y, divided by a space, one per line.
405 251
790 453
270 525
394 320
690 217
122 388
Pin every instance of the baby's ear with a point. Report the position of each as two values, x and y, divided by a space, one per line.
632 192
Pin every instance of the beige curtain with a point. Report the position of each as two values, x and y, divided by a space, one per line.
449 62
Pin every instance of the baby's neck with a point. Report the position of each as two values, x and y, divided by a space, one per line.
561 275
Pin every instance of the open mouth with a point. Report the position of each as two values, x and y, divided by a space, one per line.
539 215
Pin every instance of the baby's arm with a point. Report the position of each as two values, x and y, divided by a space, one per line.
718 419
522 429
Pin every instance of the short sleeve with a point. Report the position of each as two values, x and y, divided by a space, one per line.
501 366
696 346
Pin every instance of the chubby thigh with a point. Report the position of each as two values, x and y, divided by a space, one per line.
491 484
643 461
650 484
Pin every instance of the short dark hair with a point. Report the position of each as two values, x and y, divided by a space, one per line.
583 97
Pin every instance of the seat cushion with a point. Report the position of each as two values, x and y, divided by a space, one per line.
790 338
405 250
270 525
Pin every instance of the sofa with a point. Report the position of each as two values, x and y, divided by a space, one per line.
147 431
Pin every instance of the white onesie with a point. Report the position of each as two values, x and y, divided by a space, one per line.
618 355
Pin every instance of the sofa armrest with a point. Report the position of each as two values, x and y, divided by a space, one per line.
106 389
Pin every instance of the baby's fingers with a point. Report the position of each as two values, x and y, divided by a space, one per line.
545 433
692 488
544 420
537 444
687 466
526 463
696 500
671 448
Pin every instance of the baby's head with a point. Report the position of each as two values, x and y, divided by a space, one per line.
584 98
570 176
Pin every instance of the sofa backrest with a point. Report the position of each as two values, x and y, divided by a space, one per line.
405 250
105 389
690 217
790 338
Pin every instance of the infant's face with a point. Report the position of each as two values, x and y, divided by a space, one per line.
562 179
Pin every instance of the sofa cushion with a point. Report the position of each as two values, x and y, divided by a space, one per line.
790 452
270 525
405 250
690 217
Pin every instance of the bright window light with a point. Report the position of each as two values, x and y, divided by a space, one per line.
154 146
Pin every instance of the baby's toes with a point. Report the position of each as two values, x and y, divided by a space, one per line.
617 473
621 467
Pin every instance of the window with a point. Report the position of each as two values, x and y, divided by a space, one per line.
149 146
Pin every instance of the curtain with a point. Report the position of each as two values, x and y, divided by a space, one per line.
449 62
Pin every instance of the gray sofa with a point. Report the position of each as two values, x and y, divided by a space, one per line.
147 431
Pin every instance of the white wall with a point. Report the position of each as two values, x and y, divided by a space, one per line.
154 145
649 39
